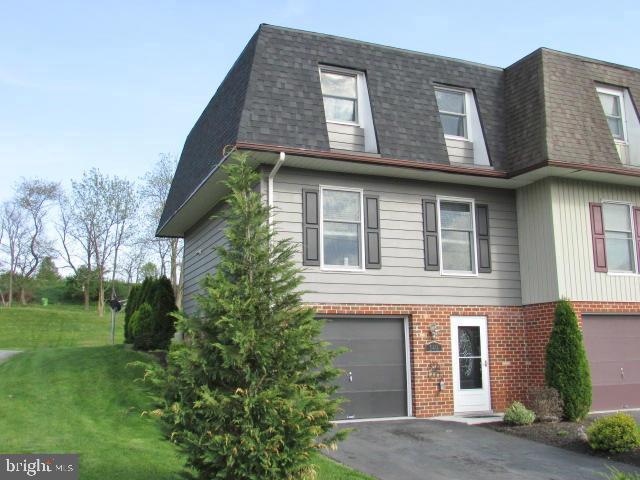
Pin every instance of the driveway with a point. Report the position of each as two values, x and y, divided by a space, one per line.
5 354
436 450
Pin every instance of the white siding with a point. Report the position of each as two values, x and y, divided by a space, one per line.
402 278
200 257
535 231
577 278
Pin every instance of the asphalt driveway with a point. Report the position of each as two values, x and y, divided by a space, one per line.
5 354
436 450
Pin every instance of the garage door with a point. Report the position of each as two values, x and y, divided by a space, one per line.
613 347
374 377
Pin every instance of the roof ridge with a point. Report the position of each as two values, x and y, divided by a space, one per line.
379 45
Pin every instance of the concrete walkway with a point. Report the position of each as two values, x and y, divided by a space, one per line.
5 354
437 450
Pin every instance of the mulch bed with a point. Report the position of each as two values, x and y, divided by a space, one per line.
564 435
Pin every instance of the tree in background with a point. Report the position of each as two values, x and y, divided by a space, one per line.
48 272
249 396
567 367
155 189
15 242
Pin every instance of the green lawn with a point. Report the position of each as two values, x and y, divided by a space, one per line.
85 400
55 326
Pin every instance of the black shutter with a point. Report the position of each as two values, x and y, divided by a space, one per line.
482 234
372 232
430 227
310 227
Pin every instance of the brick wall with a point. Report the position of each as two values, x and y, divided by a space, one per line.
517 341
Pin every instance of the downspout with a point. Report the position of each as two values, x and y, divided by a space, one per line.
272 175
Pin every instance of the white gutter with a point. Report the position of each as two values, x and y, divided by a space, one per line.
272 175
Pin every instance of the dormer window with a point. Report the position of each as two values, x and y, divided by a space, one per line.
612 101
452 105
460 121
347 110
340 93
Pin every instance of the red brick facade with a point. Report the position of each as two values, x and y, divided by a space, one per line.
517 341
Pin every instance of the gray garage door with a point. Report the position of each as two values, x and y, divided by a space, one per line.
613 347
374 378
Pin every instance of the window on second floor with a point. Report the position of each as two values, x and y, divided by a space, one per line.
340 95
619 237
457 236
612 101
452 105
341 217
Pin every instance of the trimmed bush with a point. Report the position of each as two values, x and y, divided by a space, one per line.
518 414
546 404
129 310
614 434
163 303
567 368
141 326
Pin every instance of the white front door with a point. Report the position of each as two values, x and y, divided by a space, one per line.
470 364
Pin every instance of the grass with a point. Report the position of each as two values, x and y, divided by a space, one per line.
55 326
85 400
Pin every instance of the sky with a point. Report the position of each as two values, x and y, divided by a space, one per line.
112 84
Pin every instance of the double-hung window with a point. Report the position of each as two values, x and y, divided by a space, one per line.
457 236
341 214
340 95
453 108
613 105
619 237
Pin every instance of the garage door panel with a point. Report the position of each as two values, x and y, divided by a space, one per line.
374 404
372 352
376 360
369 378
613 347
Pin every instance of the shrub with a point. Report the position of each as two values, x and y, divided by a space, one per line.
129 310
567 368
141 325
250 396
518 414
546 404
163 303
615 433
615 474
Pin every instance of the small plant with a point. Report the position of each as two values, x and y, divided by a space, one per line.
141 325
615 474
567 367
546 404
518 414
614 434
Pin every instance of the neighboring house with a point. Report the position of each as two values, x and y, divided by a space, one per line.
441 207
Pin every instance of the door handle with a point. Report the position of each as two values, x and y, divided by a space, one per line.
350 375
622 372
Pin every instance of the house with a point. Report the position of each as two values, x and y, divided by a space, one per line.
442 208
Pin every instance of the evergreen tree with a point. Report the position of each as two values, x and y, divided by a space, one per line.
567 367
129 310
163 304
249 395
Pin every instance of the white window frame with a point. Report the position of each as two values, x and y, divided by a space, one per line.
468 95
360 268
352 73
474 259
619 93
634 271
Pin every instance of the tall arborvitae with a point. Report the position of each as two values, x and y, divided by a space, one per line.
567 368
249 395
163 304
129 310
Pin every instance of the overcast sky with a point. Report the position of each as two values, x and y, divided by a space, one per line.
111 84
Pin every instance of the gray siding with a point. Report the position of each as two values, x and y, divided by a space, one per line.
460 151
345 137
402 278
200 257
535 231
572 225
